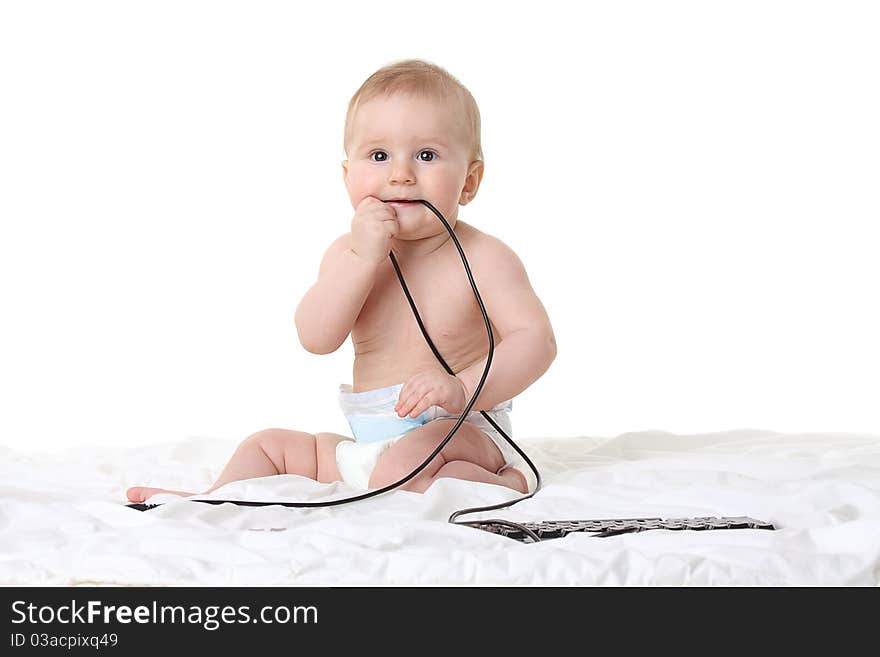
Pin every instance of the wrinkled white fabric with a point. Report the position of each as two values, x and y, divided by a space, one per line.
63 519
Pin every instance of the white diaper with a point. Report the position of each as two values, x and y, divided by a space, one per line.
356 461
376 427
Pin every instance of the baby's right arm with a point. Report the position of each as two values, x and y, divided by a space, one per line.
327 312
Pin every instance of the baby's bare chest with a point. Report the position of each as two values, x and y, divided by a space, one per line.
389 346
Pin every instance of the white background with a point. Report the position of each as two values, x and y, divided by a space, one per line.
692 187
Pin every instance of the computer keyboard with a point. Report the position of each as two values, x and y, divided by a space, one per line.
548 529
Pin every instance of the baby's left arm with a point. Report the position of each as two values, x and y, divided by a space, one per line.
524 344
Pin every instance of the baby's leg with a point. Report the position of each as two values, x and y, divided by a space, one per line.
506 476
470 455
265 453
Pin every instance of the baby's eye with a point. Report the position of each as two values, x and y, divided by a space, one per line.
384 156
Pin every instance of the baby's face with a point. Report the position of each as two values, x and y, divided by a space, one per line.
407 147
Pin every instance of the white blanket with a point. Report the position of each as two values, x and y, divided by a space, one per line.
63 519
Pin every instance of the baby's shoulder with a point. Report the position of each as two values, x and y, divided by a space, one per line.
489 250
335 251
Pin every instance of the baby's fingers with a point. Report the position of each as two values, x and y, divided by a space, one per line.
423 405
409 394
405 403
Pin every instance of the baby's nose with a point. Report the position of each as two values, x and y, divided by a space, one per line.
401 174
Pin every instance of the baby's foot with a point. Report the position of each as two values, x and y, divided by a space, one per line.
514 478
141 493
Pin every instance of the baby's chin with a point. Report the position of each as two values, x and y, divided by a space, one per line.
417 213
422 236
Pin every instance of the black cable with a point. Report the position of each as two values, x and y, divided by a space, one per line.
479 386
465 413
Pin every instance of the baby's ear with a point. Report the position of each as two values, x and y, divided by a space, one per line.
471 182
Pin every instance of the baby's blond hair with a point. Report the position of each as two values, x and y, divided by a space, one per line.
422 79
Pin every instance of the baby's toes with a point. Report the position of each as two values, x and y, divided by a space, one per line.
139 493
142 493
517 479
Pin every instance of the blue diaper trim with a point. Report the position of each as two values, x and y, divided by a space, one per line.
372 417
373 428
371 413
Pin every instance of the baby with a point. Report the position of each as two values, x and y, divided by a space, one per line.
412 132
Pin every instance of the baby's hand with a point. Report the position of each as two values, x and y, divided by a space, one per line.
373 226
430 388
